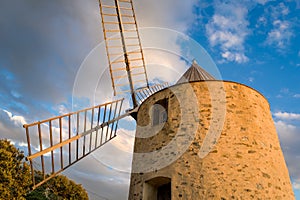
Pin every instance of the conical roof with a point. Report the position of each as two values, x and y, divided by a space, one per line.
195 73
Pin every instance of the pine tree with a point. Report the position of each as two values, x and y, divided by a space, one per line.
15 179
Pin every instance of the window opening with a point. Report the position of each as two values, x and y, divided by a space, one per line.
160 112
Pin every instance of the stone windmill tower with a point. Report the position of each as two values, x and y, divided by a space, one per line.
207 139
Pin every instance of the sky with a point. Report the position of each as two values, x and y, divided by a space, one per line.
52 61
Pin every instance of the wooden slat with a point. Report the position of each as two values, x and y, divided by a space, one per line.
120 109
114 116
41 149
51 145
70 135
120 77
77 133
108 14
61 148
113 38
132 45
84 130
109 115
135 59
107 6
118 69
122 84
29 154
113 31
134 52
137 74
128 22
126 15
118 61
111 22
92 121
98 122
136 67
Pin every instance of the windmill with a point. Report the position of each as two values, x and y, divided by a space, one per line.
64 140
237 153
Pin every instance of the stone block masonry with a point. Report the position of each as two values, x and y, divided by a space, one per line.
244 161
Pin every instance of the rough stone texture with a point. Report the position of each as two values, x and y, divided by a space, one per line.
245 162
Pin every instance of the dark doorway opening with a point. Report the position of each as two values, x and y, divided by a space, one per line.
164 192
158 188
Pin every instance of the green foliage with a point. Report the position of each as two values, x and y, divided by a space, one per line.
15 179
63 188
58 188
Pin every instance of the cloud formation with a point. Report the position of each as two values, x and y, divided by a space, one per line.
296 184
287 116
280 35
11 126
228 29
282 30
288 133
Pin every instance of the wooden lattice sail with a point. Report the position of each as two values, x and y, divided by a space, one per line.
57 143
123 47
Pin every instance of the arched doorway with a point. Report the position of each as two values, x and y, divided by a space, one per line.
158 188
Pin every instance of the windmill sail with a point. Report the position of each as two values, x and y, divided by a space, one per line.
123 46
143 93
57 143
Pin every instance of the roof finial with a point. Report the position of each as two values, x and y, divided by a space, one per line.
194 62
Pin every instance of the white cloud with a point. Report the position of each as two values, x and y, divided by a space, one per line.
287 116
251 79
237 57
228 29
263 2
283 127
61 109
296 184
285 90
16 119
296 95
261 21
282 31
279 10
280 35
11 126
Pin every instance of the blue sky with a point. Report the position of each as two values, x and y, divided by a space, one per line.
47 49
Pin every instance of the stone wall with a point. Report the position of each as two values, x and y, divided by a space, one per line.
219 142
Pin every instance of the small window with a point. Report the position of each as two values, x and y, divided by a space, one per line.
160 112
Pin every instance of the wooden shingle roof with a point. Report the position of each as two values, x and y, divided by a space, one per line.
195 73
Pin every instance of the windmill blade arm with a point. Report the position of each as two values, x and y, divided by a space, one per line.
123 46
57 143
